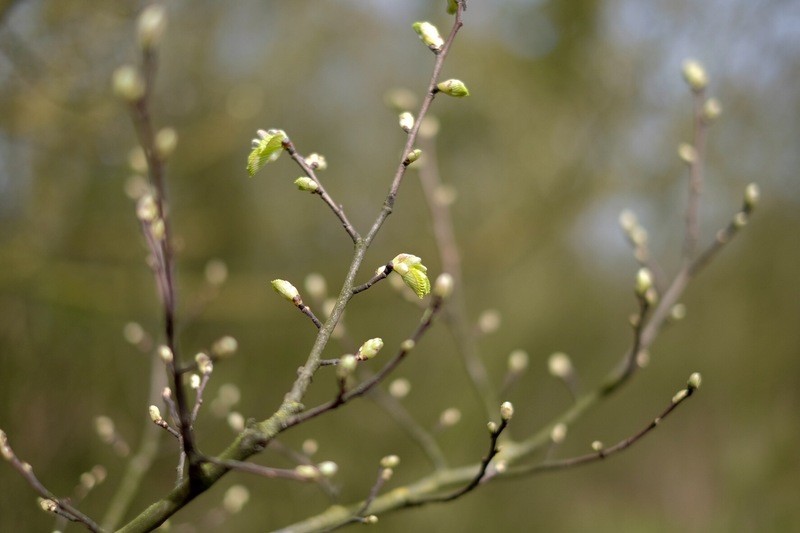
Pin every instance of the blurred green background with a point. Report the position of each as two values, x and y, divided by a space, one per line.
576 112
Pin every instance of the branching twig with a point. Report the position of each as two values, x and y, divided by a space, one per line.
382 274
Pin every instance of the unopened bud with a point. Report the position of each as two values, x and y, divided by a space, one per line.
694 381
235 421
455 88
406 121
165 354
166 140
506 411
347 365
407 345
644 281
128 83
687 153
386 474
158 229
48 505
429 35
489 321
285 289
5 449
304 183
155 414
678 312
680 396
147 208
399 388
307 471
328 468
443 286
413 155
492 427
370 348
450 417
752 193
740 220
194 381
597 446
712 109
204 364
151 26
695 75
390 461
370 520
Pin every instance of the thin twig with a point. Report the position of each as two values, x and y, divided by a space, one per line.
695 176
252 468
382 274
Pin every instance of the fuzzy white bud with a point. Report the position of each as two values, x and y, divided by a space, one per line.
128 83
151 25
694 381
560 365
225 346
644 281
518 361
204 364
443 286
687 153
506 411
147 208
317 161
450 417
695 75
429 35
166 141
597 446
558 433
390 461
328 468
165 354
406 121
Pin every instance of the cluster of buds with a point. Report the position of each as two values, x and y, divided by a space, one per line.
644 286
752 194
148 213
635 233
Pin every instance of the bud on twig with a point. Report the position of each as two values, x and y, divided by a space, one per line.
443 286
687 153
390 461
151 25
155 414
429 35
304 183
413 155
347 365
166 141
165 354
644 281
370 348
506 411
455 88
285 289
695 75
712 110
128 83
316 161
752 193
406 121
694 381
413 272
204 364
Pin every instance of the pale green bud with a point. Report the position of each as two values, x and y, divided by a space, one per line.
506 411
371 519
316 161
5 449
694 381
695 75
285 289
328 468
678 312
559 365
406 121
155 414
347 365
687 153
390 461
740 220
443 286
47 505
628 221
304 183
597 446
165 354
307 471
558 433
370 348
752 193
492 427
712 109
644 281
413 155
147 208
266 148
452 6
158 229
166 140
194 381
407 345
128 83
455 88
680 396
151 25
204 364
429 35
225 346
413 272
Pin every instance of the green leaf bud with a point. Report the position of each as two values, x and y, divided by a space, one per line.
695 75
429 35
151 25
370 348
455 88
285 289
413 155
452 6
752 193
128 83
413 272
155 414
304 183
266 148
644 281
694 381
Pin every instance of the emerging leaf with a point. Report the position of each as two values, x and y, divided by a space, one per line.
266 148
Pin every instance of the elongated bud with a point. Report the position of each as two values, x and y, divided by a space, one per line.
406 121
455 88
304 183
694 381
712 109
443 286
413 155
316 161
680 395
285 289
151 25
695 75
370 348
155 414
752 193
147 208
429 35
390 461
644 281
166 141
128 83
506 411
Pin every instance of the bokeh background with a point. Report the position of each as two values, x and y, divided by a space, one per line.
576 112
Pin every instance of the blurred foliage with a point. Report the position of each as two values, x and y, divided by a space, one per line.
576 111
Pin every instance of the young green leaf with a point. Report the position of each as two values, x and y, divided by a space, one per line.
266 148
